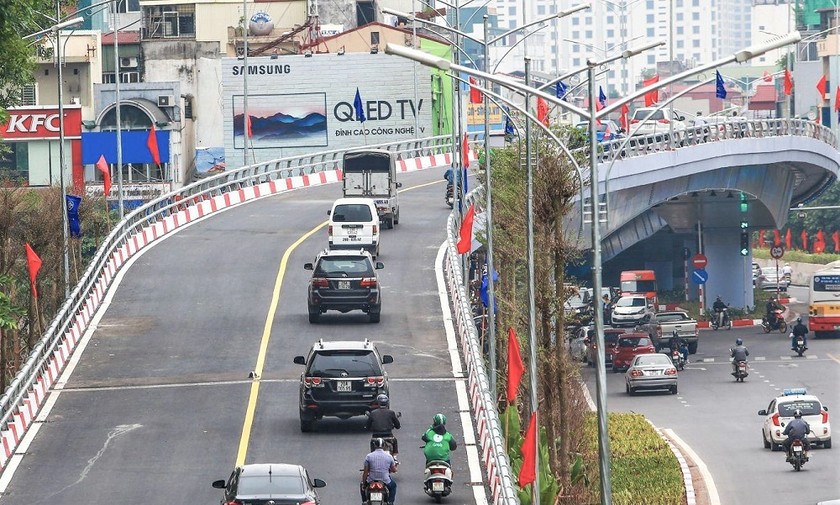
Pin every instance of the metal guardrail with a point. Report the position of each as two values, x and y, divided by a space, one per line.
156 210
485 414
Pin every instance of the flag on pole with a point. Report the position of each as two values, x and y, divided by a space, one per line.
542 111
821 87
836 238
515 366
767 76
34 264
623 118
248 127
562 90
152 144
357 105
75 226
651 97
509 132
602 98
475 94
788 239
465 159
102 166
837 103
528 472
465 240
720 89
788 83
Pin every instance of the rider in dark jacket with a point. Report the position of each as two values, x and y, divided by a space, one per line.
772 306
799 330
718 307
738 353
797 428
382 421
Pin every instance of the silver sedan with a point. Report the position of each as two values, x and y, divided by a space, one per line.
651 371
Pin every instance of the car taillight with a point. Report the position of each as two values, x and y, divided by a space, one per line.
375 230
233 502
329 230
308 503
664 121
376 381
320 282
634 121
368 282
824 416
636 373
775 419
376 485
313 382
671 371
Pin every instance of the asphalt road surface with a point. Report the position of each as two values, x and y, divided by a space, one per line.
719 418
158 406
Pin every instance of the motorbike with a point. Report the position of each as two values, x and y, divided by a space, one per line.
376 493
437 481
678 359
450 195
798 455
740 371
799 345
780 323
721 320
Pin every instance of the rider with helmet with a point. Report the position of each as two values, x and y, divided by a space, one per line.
799 330
378 466
797 428
772 306
382 421
718 307
678 344
738 353
439 442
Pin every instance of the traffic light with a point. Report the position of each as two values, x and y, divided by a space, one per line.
745 243
744 205
744 225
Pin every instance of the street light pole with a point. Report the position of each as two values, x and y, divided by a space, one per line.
118 117
491 288
56 29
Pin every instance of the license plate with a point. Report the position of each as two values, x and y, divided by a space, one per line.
343 386
654 372
437 486
343 284
797 448
376 497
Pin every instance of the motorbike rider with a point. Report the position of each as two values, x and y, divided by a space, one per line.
772 306
738 353
797 428
381 422
718 307
379 465
679 344
799 330
439 442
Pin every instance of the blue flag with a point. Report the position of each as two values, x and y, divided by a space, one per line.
360 110
602 97
484 290
508 127
75 226
720 91
562 90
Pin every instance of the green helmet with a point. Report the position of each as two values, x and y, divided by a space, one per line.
439 420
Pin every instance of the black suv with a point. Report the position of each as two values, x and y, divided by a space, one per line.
344 281
342 379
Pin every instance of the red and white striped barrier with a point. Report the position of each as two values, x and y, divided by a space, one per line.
191 210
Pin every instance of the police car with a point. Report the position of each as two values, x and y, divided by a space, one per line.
780 412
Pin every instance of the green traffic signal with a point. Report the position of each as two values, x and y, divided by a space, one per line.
744 203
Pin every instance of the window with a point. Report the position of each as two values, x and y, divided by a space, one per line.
169 21
575 21
650 32
588 34
374 38
649 4
649 18
541 10
610 34
695 16
651 59
610 19
575 34
124 6
679 16
680 30
695 43
14 162
680 44
576 62
29 94
588 20
575 48
695 3
679 3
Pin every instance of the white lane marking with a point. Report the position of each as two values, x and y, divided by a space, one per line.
711 489
479 493
759 358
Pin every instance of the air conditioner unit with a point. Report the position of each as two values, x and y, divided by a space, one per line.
166 101
128 62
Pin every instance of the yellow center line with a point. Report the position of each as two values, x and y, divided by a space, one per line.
258 369
266 335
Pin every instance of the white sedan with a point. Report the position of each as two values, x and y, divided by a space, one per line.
780 412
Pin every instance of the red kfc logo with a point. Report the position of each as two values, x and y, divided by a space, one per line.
34 123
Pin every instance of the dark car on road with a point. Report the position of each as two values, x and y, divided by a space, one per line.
341 379
629 346
270 483
344 280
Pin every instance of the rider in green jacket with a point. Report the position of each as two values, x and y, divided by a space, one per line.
439 442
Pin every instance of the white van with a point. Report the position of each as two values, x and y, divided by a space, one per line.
354 224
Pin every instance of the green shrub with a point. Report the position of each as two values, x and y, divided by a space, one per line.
799 256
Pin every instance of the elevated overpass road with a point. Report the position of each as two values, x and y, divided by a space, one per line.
718 418
155 408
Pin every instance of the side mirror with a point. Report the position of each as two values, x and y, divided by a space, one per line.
399 184
387 358
219 484
308 266
380 265
825 408
318 483
300 360
762 412
681 118
329 212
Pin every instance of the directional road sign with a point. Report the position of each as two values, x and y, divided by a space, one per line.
699 276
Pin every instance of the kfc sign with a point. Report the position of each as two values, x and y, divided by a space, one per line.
42 123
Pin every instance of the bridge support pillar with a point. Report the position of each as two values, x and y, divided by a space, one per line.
730 274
